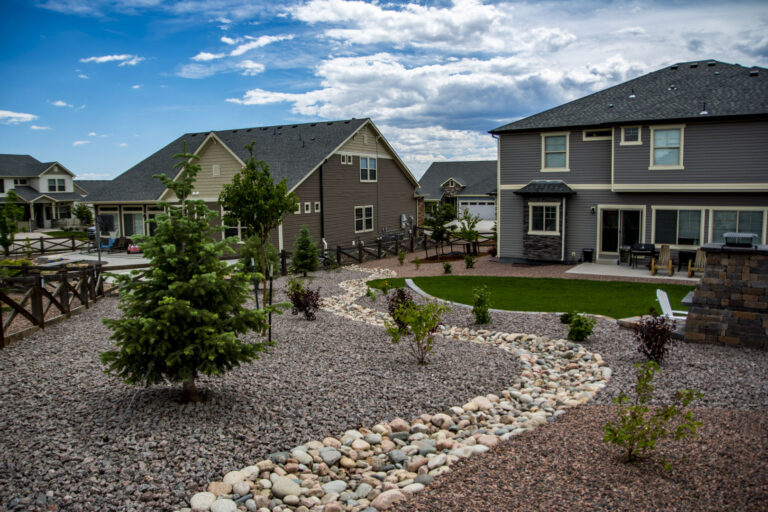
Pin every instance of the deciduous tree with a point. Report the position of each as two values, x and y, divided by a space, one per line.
10 215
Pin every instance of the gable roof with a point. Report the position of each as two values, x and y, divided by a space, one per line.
676 92
477 176
25 166
291 150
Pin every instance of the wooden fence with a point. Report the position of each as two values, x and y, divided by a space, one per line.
34 292
47 245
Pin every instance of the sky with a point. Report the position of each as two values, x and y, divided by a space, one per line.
100 85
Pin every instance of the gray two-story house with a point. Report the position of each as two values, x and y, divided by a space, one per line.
350 183
678 156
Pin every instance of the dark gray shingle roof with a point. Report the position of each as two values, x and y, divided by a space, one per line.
546 188
478 177
23 166
675 92
29 194
291 150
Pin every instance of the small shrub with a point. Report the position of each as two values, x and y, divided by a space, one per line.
654 335
446 268
385 287
400 298
417 262
566 318
638 427
401 257
371 294
303 299
420 322
482 303
469 261
492 251
581 327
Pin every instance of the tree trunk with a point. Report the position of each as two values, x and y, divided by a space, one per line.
264 269
190 393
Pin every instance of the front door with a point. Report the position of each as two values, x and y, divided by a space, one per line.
619 228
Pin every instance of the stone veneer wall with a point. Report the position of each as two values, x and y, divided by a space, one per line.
730 304
542 247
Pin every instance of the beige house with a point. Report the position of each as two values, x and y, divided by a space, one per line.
46 190
350 182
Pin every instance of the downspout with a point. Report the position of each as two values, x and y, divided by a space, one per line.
378 175
498 194
562 238
322 204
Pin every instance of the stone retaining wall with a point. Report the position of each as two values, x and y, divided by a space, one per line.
730 304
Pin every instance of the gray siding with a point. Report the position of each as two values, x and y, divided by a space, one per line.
714 152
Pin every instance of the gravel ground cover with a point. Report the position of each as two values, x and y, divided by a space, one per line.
76 439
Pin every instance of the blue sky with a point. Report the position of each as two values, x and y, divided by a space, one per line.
99 85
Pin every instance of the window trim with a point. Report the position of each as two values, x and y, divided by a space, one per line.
239 227
307 207
51 181
567 167
317 206
702 209
368 169
711 219
678 167
216 170
638 142
354 218
585 138
347 159
297 211
61 185
531 231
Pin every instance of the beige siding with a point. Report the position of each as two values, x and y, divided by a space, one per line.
364 142
208 185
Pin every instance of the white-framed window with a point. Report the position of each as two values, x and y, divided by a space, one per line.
51 185
346 159
631 136
317 206
596 134
543 218
307 207
367 169
667 147
19 182
363 218
133 220
298 209
738 220
235 230
216 170
554 152
678 226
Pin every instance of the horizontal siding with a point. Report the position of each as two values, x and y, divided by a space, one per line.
510 224
724 152
308 191
207 185
364 142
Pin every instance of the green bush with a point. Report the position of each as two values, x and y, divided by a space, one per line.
417 262
638 427
304 258
482 302
566 318
420 322
371 294
401 257
581 327
446 268
469 261
250 256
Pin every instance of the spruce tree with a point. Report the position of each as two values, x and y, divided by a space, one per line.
304 258
182 316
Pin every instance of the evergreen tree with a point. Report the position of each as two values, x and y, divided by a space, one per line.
83 214
182 316
304 258
10 215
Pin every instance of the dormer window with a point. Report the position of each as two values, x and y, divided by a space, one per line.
450 183
20 182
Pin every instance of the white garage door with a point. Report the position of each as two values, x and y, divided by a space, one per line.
486 210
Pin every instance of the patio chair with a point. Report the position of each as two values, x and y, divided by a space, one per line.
673 315
699 264
664 261
106 246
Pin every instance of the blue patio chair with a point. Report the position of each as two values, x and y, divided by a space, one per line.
109 244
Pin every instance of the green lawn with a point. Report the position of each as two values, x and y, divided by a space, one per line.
611 298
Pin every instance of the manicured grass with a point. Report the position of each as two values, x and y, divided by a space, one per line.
611 298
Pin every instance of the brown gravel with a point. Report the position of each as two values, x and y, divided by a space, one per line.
565 465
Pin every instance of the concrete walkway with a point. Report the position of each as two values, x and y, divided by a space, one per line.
601 269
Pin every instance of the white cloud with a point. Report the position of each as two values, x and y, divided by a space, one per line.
124 59
206 56
122 144
258 42
60 103
630 31
229 40
83 76
136 86
9 117
81 142
92 134
36 127
251 68
199 70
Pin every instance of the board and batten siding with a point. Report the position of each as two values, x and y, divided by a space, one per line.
713 152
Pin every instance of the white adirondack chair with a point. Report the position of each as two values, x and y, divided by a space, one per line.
674 315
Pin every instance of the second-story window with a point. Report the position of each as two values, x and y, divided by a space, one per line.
62 185
51 185
367 169
667 148
630 135
554 152
19 182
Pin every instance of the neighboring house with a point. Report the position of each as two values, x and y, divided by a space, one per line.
350 182
467 185
46 190
678 156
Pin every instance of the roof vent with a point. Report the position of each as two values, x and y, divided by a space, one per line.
754 72
347 122
672 87
192 134
610 105
711 63
279 127
234 131
248 130
673 67
329 124
294 126
633 95
695 65
704 110
717 73
313 124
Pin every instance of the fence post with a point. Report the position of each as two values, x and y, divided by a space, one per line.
64 292
73 243
84 288
338 255
397 247
378 249
413 236
98 272
283 262
359 253
42 245
37 300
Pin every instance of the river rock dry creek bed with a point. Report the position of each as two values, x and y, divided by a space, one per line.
77 439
